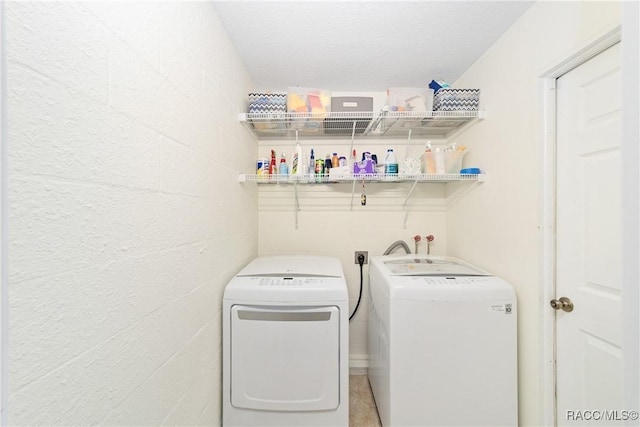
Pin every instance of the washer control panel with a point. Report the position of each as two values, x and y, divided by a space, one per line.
455 280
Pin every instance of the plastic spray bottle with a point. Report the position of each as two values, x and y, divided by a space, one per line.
353 160
273 169
429 161
284 168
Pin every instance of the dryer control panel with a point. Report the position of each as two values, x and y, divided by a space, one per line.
287 281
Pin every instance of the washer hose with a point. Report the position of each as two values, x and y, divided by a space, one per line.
361 262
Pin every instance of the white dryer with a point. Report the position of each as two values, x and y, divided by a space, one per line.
286 343
442 343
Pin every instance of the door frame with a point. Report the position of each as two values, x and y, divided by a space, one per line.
631 205
4 219
601 41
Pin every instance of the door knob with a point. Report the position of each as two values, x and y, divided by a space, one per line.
564 304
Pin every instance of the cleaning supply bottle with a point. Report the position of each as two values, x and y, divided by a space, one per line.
328 164
284 168
296 168
312 166
294 164
319 170
273 169
429 161
390 163
335 161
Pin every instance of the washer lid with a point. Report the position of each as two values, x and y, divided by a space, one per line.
431 266
293 266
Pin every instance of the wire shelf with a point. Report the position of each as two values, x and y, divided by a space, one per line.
350 178
345 124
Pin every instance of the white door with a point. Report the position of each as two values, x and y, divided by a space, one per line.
588 265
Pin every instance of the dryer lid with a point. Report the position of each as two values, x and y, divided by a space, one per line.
293 266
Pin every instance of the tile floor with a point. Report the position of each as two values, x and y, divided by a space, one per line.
362 407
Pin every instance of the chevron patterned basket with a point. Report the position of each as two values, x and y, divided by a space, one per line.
267 102
456 100
268 106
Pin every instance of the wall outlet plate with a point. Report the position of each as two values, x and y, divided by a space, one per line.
358 253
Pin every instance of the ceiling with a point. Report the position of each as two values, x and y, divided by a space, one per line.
363 46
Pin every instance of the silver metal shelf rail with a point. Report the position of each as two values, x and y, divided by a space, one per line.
312 179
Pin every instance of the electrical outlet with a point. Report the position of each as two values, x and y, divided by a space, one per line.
358 253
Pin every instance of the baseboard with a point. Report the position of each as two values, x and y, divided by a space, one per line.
358 364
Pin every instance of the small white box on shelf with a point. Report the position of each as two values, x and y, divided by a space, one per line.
415 99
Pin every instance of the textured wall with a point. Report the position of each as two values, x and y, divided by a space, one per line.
126 219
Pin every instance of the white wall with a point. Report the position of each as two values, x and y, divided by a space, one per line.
4 238
497 226
126 219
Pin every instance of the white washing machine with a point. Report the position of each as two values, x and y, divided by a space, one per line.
286 343
442 343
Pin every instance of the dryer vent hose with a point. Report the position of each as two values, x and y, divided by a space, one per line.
361 262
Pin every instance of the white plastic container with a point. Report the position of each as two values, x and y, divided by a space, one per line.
439 160
297 164
401 99
453 160
390 163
